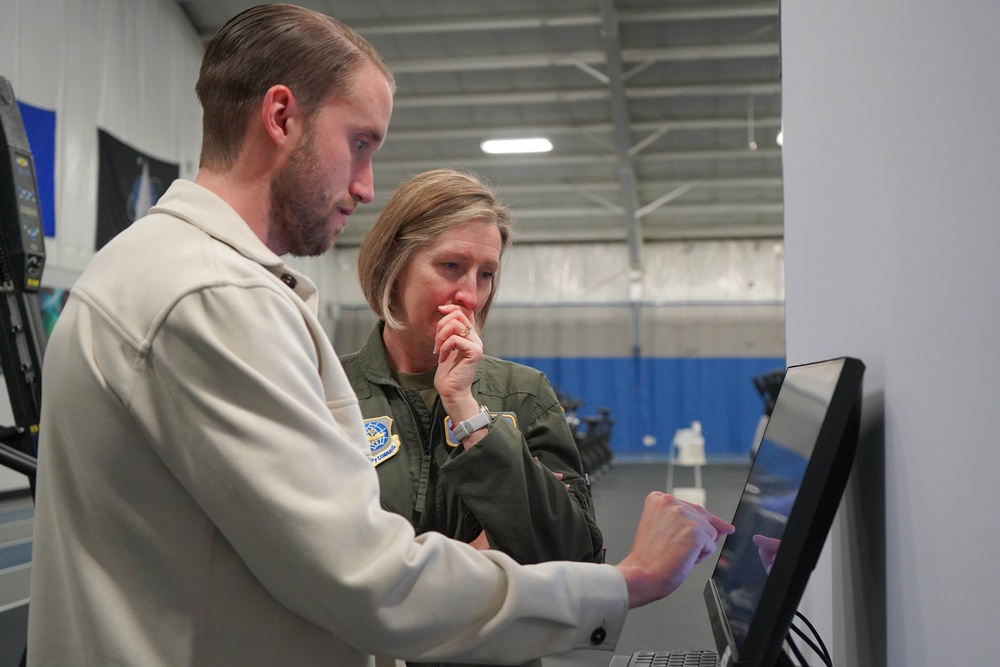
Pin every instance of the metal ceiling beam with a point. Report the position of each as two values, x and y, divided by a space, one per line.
477 25
626 169
514 189
589 195
725 233
665 199
734 154
686 210
505 97
583 95
614 214
584 159
648 140
534 60
590 128
704 52
605 235
742 10
353 235
704 183
706 89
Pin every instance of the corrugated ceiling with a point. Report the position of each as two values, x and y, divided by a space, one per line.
663 115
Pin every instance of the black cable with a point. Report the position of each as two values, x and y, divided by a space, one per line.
795 650
812 645
825 653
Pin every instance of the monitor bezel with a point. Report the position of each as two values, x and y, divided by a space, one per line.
805 532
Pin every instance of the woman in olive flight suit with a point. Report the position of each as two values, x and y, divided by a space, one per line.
464 444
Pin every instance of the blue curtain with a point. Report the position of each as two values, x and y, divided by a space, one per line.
651 396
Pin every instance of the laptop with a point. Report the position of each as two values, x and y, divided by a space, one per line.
789 500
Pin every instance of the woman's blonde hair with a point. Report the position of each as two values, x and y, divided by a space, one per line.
422 209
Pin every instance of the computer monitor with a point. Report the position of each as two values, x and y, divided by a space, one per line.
794 487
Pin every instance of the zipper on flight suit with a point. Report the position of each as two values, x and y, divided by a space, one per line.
420 502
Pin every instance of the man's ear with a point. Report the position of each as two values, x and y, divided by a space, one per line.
282 116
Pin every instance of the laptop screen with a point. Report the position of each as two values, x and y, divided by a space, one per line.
783 516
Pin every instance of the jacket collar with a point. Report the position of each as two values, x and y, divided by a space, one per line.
208 212
374 361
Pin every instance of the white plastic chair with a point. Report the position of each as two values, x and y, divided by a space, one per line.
688 450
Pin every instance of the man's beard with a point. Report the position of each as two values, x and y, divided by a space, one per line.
300 206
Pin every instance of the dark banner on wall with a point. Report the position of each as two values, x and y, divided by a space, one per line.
40 126
128 184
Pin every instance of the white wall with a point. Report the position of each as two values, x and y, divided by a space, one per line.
127 66
594 273
892 203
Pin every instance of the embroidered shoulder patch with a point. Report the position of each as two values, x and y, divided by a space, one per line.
383 444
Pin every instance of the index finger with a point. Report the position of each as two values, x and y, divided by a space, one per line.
722 527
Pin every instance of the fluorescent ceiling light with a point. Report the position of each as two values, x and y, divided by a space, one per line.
535 145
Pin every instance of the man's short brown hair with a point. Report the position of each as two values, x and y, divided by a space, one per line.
423 208
311 53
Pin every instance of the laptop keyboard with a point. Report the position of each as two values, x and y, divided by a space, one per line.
674 659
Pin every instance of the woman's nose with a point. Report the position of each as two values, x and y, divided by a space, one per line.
466 295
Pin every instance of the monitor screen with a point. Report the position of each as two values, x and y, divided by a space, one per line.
784 514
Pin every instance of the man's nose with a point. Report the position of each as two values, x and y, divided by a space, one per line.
363 187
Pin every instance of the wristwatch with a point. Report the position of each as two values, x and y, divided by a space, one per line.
464 429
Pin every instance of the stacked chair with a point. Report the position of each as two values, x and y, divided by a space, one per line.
592 434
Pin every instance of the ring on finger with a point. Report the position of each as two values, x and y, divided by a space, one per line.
467 331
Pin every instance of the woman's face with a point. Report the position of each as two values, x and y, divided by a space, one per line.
455 268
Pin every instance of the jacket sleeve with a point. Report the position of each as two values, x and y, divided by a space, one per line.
525 510
269 445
